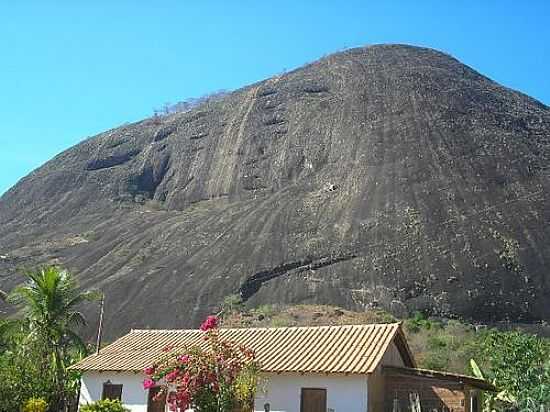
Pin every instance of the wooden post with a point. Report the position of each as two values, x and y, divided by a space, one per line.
396 407
100 326
414 400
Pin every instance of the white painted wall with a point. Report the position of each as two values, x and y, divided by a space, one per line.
134 397
344 393
282 392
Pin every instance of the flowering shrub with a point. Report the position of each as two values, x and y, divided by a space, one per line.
215 378
210 323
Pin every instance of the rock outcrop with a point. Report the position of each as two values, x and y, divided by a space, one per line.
387 176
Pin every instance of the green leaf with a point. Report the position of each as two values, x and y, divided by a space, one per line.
476 370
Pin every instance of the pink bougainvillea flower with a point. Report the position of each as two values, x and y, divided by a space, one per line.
204 374
148 383
171 377
210 323
183 358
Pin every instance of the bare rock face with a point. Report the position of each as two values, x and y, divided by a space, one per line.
387 176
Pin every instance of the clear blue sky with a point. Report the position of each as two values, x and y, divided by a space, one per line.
71 69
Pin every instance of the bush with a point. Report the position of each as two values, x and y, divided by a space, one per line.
281 322
21 377
231 304
267 310
35 405
436 361
105 405
418 322
442 345
518 364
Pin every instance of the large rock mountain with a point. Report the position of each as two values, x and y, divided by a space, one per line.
389 176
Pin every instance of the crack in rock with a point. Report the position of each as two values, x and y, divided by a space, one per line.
254 282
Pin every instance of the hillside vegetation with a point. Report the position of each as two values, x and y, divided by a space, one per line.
443 344
446 345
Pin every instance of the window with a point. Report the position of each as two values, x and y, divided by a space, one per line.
313 400
111 391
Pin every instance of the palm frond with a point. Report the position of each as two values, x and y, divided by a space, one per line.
11 328
77 342
83 297
48 301
76 318
476 369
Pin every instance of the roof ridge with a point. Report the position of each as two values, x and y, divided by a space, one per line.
270 327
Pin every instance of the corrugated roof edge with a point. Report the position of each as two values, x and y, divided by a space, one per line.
266 327
403 346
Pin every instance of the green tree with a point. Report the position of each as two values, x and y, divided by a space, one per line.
21 376
47 328
519 366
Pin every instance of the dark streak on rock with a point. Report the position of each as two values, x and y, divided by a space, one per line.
110 161
253 283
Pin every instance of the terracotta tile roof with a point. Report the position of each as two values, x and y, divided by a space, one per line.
354 349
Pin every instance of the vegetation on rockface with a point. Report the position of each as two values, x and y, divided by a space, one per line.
40 344
189 104
219 378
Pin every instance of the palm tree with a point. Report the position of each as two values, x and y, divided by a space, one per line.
49 302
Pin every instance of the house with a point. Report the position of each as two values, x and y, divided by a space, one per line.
351 368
